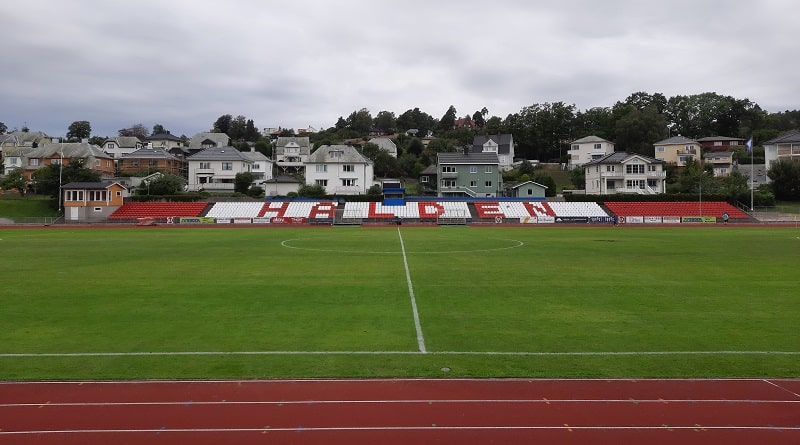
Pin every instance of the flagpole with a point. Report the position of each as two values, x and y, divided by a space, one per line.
752 171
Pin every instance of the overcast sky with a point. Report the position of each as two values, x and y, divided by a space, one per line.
300 63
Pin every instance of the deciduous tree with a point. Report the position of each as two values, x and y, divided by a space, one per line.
79 130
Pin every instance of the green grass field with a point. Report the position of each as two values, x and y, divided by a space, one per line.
336 302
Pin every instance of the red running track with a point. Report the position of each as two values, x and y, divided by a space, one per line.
402 411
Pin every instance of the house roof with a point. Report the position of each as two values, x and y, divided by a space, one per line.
150 153
255 156
676 140
590 139
429 170
91 185
472 158
384 144
718 154
284 180
503 142
303 142
225 153
125 141
514 186
719 138
620 157
220 139
68 150
349 155
792 136
164 137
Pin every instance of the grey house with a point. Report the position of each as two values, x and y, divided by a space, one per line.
469 174
501 145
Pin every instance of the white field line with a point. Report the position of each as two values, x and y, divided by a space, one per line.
301 429
417 324
421 352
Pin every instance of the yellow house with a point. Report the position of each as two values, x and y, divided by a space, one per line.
678 150
91 201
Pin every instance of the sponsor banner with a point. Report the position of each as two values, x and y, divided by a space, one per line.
261 220
652 220
242 220
634 219
537 220
601 219
223 221
196 220
699 219
288 220
571 219
671 220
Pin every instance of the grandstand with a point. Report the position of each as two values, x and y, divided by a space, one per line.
676 209
441 212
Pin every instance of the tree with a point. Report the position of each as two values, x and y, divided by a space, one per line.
448 121
264 148
546 180
3 128
236 128
46 179
222 124
137 131
785 175
637 130
164 185
250 132
79 130
311 191
577 176
15 179
360 121
159 129
385 121
242 182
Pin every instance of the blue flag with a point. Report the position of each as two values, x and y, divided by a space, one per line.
749 144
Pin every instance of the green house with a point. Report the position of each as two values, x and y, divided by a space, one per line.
469 175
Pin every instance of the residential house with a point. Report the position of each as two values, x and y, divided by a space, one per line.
340 169
150 159
386 145
721 162
202 141
291 153
720 143
623 172
527 189
281 186
428 180
261 167
500 144
786 146
164 140
89 201
465 122
678 150
469 174
14 145
92 156
588 149
215 168
122 145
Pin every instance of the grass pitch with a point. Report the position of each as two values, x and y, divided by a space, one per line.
337 302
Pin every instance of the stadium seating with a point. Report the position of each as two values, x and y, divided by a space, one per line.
536 209
679 209
133 210
411 210
235 210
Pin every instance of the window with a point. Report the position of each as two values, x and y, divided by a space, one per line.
423 179
634 184
446 183
13 161
33 162
610 168
652 183
598 146
660 149
473 169
488 183
488 169
322 168
205 166
634 169
530 192
651 168
153 162
111 145
97 195
322 182
256 166
227 165
97 163
118 193
348 168
347 182
576 147
73 195
473 183
610 185
448 169
717 143
336 154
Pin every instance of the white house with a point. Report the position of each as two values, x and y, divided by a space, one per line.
340 169
261 167
122 145
786 146
214 169
386 145
622 172
291 153
500 144
588 149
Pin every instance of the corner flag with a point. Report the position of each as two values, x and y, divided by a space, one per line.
749 144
